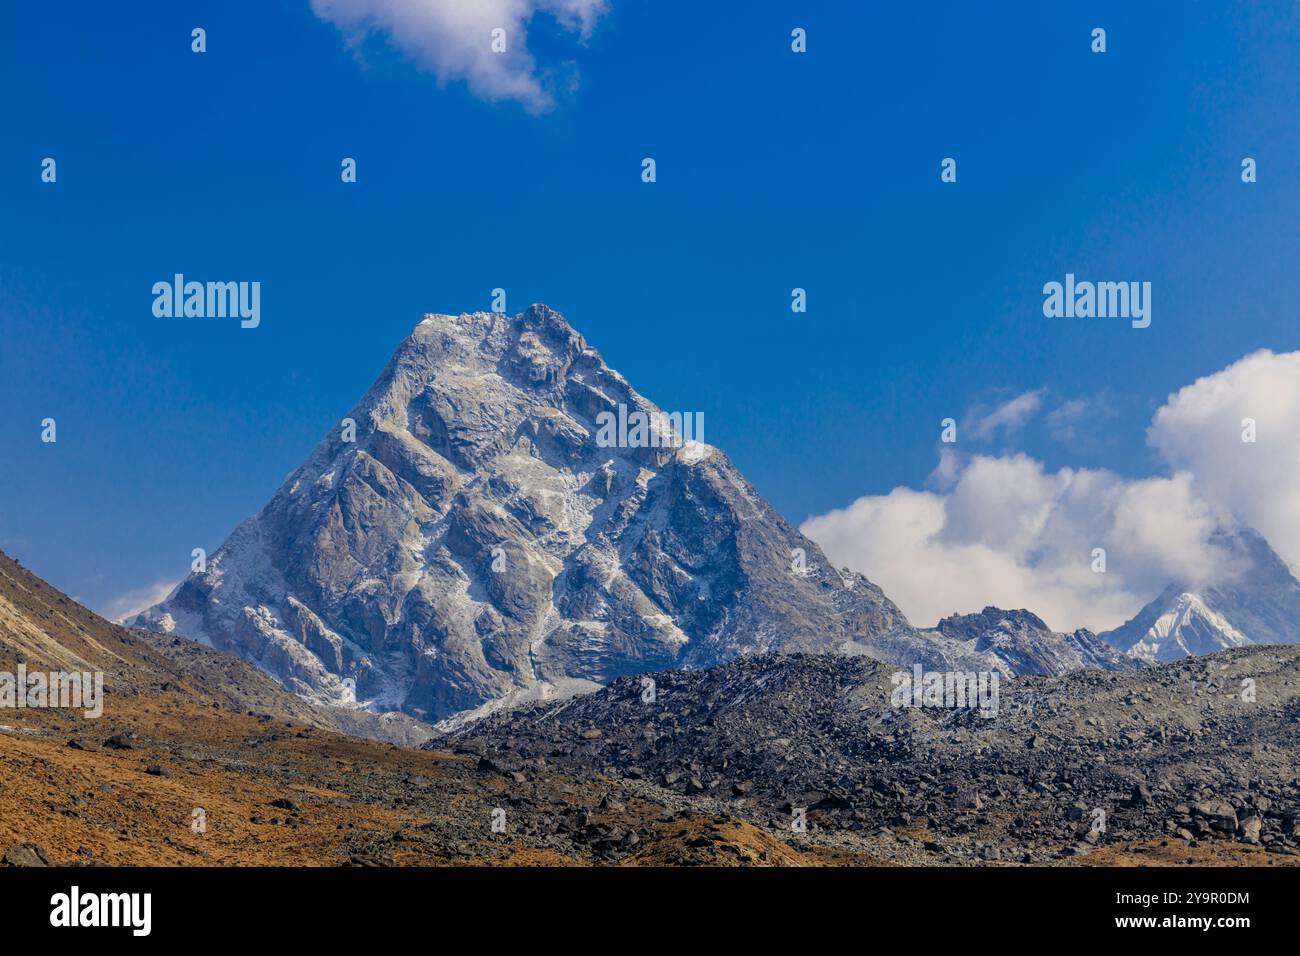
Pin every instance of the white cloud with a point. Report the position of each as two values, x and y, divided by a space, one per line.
1200 429
1013 535
135 601
453 39
1009 416
1005 531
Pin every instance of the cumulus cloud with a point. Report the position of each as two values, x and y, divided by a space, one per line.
1200 429
133 602
1011 534
453 39
1005 531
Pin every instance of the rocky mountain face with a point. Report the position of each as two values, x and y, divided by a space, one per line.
478 542
1256 602
1190 754
1026 645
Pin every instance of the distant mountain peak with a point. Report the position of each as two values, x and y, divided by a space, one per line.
1026 645
1255 600
989 617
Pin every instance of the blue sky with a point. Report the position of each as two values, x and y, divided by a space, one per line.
775 170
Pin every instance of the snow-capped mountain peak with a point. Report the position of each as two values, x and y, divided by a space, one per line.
1256 600
480 540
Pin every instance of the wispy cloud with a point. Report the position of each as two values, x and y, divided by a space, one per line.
454 39
1075 417
133 602
1009 417
1063 419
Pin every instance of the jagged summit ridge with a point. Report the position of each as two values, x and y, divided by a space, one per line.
1027 645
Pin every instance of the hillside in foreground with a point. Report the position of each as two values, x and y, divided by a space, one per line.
706 777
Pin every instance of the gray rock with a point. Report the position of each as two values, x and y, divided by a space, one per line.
1219 814
26 854
772 733
1140 797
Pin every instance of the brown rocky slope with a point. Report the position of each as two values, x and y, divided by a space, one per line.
186 729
